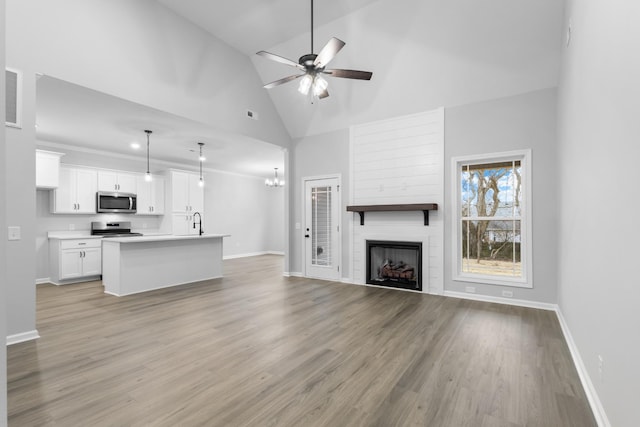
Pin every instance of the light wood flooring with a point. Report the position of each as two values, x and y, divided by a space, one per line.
259 349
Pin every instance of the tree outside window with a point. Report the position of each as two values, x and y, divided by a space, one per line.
490 225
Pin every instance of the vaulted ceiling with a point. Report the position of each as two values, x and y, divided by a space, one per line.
423 53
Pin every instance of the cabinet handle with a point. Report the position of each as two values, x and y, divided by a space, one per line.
83 243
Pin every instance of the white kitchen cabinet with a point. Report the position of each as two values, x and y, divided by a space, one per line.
76 193
187 195
183 224
47 169
184 197
122 182
72 260
150 196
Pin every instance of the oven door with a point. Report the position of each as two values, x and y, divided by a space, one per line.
116 202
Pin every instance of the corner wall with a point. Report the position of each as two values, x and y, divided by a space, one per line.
598 237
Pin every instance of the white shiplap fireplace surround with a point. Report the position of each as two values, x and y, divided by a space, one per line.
399 161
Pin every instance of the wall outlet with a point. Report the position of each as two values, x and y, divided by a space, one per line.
14 233
470 289
72 227
508 294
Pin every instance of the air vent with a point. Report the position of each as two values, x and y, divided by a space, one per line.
13 97
252 115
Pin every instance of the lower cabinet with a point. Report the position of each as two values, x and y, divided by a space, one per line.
75 259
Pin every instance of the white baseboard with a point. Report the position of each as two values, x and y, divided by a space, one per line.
275 253
43 280
500 300
587 384
292 274
23 337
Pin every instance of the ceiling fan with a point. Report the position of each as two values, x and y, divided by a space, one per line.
314 66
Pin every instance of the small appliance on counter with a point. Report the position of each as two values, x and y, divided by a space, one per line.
109 202
112 229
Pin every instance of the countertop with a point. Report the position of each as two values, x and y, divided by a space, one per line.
73 235
162 238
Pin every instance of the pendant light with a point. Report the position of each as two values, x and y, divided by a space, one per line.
147 176
201 158
275 182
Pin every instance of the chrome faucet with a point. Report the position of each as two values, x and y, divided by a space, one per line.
199 222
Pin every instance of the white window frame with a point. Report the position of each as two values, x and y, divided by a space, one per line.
526 247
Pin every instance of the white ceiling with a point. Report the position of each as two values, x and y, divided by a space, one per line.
72 115
253 25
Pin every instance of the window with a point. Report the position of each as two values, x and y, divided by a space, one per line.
492 237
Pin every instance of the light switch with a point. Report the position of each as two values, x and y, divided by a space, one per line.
14 233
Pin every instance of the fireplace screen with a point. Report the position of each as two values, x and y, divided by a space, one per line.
394 264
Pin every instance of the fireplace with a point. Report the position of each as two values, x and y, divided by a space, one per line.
394 264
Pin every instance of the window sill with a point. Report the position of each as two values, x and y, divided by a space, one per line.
488 280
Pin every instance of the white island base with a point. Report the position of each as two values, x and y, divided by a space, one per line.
131 265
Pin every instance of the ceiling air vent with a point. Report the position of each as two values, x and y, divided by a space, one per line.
252 115
13 97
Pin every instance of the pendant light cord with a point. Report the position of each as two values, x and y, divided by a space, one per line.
148 132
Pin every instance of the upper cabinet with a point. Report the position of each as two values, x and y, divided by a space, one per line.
187 195
122 182
76 193
150 196
47 169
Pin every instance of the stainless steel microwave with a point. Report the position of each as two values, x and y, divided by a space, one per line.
110 202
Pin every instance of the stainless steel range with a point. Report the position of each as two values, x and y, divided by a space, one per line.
112 229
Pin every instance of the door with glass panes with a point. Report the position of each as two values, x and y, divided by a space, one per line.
322 228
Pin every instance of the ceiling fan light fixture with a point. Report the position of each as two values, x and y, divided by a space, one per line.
319 85
305 84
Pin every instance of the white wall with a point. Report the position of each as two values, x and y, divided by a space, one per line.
599 148
3 233
248 210
520 122
424 54
154 58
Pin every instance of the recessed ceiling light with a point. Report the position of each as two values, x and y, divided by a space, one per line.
135 145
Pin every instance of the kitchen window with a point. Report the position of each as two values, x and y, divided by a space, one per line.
492 225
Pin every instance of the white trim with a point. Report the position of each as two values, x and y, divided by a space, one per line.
43 280
347 280
526 246
275 253
23 337
592 396
294 274
501 300
250 254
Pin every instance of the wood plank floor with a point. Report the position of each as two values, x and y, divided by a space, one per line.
258 349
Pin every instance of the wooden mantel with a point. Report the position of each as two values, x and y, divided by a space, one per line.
424 207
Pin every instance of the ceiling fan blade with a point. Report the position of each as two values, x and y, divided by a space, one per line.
328 52
350 74
324 94
282 81
280 59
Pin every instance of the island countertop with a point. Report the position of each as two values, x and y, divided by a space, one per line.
162 238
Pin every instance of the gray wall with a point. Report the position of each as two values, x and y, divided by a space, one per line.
316 155
518 122
3 234
599 148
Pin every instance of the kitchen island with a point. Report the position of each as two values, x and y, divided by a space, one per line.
131 265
